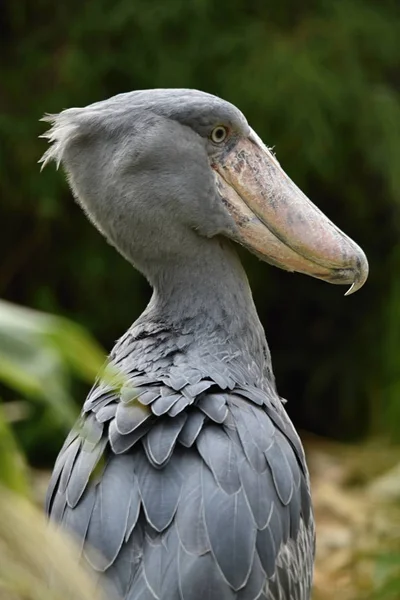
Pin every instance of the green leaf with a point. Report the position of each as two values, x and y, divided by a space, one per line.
38 353
13 470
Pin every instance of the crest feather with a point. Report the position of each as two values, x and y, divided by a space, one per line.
63 130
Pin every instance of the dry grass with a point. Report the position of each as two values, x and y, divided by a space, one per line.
37 562
358 529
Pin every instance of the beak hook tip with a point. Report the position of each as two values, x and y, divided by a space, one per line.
351 289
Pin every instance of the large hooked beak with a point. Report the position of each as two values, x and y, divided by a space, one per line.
277 222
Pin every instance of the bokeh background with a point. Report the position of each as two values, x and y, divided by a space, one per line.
319 81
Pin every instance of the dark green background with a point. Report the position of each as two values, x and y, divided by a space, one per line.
318 81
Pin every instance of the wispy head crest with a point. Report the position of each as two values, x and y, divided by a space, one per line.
62 131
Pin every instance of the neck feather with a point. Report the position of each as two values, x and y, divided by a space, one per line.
202 309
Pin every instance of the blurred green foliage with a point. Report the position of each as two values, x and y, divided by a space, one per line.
13 472
387 578
41 357
39 354
37 351
317 80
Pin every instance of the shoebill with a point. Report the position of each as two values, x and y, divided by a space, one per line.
184 477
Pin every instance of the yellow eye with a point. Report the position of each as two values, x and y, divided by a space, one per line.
219 134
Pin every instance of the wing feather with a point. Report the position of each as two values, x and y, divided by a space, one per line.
190 514
130 416
260 492
266 550
179 406
218 452
160 566
281 471
255 584
195 389
62 459
106 413
121 443
85 463
200 578
230 529
77 519
251 449
191 428
214 406
126 567
164 403
159 443
58 506
134 509
160 490
70 456
108 523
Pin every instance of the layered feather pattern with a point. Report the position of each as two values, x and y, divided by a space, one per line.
208 500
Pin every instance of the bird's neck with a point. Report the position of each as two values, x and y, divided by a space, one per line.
205 302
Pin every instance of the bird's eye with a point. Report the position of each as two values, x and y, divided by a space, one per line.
218 134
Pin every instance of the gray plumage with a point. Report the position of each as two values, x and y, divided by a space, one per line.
188 481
